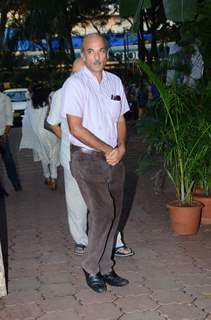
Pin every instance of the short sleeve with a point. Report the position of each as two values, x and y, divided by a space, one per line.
124 104
54 117
72 97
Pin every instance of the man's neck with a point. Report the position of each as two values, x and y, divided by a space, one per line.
98 75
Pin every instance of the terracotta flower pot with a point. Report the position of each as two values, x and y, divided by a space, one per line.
185 220
206 210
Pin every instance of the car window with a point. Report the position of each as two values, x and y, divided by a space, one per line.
17 96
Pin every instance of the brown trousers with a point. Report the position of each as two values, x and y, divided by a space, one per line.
102 187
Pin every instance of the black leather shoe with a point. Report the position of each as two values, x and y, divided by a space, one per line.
114 280
95 282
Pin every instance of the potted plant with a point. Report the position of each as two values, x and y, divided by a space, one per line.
203 181
202 188
182 146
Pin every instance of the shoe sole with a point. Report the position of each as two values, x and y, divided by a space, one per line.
79 253
124 255
121 254
97 291
117 285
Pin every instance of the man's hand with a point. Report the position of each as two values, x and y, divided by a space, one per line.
116 155
7 131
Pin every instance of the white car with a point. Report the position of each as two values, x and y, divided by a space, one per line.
19 98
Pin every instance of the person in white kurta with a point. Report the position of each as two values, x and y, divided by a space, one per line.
45 144
76 207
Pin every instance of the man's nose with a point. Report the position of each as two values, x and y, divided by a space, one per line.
97 55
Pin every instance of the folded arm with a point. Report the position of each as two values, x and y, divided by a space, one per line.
85 136
117 154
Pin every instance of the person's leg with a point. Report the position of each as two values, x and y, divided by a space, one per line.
76 209
116 188
10 165
100 217
53 175
119 242
53 170
46 171
131 180
121 249
129 192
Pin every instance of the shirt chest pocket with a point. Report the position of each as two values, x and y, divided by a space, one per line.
114 108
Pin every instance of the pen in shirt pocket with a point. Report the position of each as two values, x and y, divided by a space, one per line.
116 98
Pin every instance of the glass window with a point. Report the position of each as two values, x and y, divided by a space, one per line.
17 96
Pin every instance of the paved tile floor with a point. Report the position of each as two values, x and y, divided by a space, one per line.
170 276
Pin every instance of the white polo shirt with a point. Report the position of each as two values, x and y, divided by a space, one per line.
6 115
100 105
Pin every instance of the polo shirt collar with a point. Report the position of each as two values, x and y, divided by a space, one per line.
89 74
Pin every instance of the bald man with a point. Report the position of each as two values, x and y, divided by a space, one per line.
76 207
94 104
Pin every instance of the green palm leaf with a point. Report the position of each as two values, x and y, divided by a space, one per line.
183 135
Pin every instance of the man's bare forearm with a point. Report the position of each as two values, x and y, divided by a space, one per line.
89 139
56 130
122 133
117 154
